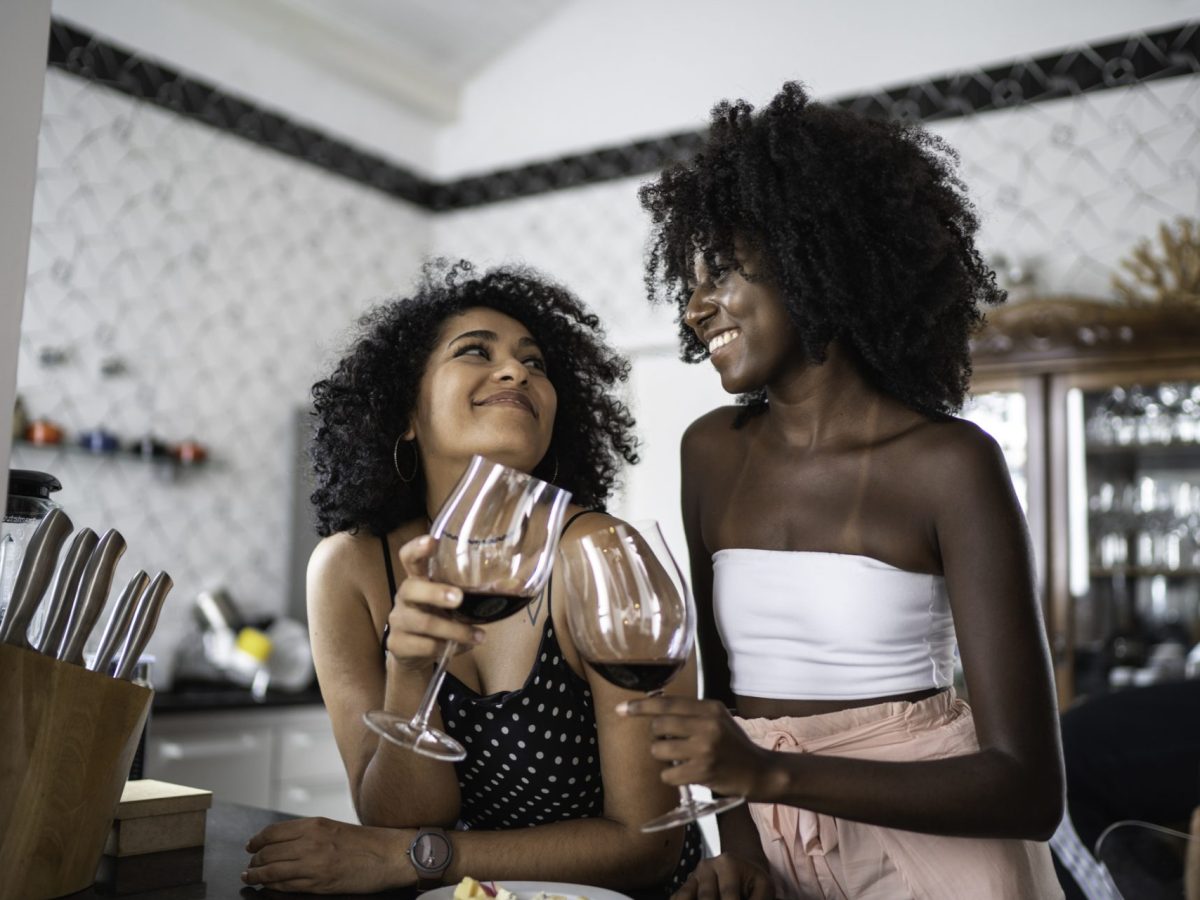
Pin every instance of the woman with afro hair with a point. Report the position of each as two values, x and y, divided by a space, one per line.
847 533
555 785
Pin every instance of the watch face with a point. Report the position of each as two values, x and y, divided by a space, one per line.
431 850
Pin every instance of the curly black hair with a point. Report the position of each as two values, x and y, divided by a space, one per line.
366 403
863 225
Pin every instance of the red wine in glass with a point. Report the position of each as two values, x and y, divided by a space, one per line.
649 676
481 607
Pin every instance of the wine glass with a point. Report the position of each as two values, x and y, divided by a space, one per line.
497 536
633 620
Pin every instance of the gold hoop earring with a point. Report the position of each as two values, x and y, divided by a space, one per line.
396 460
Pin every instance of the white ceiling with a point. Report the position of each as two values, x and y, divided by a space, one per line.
420 52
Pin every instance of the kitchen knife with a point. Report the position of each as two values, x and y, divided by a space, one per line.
37 568
144 620
66 584
91 596
117 628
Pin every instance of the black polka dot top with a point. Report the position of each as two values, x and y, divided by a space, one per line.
531 753
532 756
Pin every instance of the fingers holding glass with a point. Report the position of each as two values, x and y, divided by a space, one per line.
491 549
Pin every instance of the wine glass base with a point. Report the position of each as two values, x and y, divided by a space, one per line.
690 812
425 741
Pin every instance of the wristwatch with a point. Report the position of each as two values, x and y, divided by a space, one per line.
430 853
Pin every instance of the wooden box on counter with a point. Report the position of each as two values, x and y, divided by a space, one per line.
154 816
66 743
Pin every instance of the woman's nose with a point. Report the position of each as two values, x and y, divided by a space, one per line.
700 306
511 369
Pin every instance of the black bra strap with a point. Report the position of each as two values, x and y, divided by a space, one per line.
567 524
550 579
391 574
387 561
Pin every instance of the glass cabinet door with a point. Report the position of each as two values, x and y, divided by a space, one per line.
1132 480
1004 415
1012 412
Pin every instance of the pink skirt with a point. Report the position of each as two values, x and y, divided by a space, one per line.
817 856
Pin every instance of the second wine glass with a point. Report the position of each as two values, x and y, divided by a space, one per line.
497 536
633 619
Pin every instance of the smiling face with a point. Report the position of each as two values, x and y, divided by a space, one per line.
485 390
744 324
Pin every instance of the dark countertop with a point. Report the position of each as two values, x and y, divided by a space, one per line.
215 872
206 697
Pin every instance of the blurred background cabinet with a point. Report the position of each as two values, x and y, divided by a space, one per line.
281 758
1097 408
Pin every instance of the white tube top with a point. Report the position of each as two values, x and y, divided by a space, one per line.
806 625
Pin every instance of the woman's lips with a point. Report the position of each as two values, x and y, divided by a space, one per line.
510 398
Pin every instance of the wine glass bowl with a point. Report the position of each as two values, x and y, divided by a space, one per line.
637 629
496 539
633 621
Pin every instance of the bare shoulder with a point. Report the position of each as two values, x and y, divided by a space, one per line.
710 433
354 559
957 441
342 554
952 454
595 520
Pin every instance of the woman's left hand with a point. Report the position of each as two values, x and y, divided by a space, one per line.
321 856
707 746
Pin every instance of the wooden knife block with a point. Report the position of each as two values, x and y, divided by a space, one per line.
67 738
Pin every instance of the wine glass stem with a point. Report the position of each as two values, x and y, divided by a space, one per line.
686 798
420 721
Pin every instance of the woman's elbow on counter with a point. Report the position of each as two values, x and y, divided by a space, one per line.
654 857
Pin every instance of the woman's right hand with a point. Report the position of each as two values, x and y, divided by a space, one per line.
727 876
419 624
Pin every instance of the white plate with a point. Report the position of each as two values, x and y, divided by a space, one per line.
526 889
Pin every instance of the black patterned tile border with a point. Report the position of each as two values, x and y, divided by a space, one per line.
89 57
1076 70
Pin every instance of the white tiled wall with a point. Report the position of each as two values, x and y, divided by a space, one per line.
222 275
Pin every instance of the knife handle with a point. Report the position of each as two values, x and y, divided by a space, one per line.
117 628
92 595
66 584
145 618
37 568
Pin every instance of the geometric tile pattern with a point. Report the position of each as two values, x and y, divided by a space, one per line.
213 279
1066 188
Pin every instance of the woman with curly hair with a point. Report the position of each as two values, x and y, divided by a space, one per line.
555 785
846 531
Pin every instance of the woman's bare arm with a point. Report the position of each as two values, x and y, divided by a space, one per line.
739 836
390 786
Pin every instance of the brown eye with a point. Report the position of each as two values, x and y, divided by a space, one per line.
478 350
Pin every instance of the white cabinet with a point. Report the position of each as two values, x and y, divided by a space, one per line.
281 758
